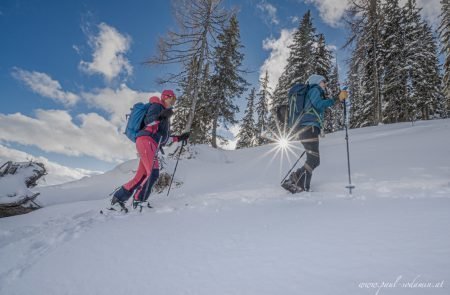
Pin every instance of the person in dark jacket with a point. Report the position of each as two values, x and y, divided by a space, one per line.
309 128
156 130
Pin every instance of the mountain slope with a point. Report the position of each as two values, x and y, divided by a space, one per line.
230 228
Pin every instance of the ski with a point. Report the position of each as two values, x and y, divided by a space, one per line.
123 210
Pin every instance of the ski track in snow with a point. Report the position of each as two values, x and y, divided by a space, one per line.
37 240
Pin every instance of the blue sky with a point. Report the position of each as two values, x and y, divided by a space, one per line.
69 70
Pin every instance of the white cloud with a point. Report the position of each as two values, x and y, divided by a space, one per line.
44 85
269 10
77 49
431 10
55 131
56 173
332 11
279 53
116 102
331 47
294 19
108 57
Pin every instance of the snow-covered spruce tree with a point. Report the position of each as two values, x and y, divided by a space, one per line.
322 66
227 80
202 122
364 19
247 132
413 53
444 33
360 88
333 120
301 62
262 110
322 57
395 87
184 100
431 100
191 46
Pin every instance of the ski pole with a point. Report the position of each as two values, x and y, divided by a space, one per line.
176 165
293 166
350 186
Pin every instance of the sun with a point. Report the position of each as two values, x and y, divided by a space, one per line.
284 146
283 143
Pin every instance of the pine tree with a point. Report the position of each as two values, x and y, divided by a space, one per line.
444 33
333 120
429 86
413 53
201 124
227 81
366 63
184 101
247 132
262 109
394 86
322 57
301 62
360 86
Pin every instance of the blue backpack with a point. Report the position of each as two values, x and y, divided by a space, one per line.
296 103
135 119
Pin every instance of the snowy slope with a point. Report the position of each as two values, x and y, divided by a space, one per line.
230 229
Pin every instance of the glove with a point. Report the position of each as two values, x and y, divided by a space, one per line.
184 137
165 114
343 95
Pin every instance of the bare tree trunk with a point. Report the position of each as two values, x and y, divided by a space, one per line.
378 117
214 133
204 39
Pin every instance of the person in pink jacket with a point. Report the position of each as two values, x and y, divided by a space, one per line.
157 130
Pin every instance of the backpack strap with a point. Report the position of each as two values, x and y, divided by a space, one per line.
312 110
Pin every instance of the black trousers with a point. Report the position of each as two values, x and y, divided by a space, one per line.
309 137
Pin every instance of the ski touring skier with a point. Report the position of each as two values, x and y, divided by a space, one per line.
154 135
308 126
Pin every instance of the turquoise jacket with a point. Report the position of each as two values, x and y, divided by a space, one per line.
315 106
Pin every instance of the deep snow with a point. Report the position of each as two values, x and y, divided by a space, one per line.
230 228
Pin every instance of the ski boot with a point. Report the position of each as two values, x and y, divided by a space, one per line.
292 184
115 201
